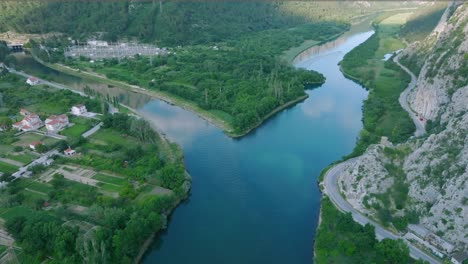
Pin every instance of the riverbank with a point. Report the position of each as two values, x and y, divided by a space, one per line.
217 118
385 81
365 66
291 54
147 244
166 97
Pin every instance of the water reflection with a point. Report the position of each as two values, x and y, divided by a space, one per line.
28 64
255 200
179 125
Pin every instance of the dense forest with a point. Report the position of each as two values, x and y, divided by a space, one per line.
173 22
422 22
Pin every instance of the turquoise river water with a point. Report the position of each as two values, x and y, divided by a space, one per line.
254 199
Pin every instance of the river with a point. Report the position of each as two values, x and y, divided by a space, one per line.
254 199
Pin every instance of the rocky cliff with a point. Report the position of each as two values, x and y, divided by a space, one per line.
425 180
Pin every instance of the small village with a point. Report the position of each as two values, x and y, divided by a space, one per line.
48 160
32 127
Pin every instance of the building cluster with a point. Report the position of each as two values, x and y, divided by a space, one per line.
30 121
53 124
436 244
96 50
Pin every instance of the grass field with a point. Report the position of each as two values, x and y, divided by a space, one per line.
25 139
7 168
112 137
39 187
10 213
23 158
4 149
46 109
109 179
109 187
76 130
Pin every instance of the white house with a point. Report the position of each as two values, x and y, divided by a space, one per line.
29 122
34 144
32 81
69 152
56 123
79 110
48 162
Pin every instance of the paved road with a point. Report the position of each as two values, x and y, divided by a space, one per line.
92 130
420 125
35 162
332 190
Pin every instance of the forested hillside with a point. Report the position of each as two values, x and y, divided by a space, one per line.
422 22
174 23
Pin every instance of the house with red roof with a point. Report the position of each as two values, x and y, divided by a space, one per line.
56 123
32 81
29 122
69 152
34 144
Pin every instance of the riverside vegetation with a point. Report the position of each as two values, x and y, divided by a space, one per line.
230 69
202 31
382 113
139 178
341 240
421 181
382 116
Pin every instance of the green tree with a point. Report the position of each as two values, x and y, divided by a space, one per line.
392 251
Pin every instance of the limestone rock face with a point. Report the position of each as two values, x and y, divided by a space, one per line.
365 176
446 55
435 166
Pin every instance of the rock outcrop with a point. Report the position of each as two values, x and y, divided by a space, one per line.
426 177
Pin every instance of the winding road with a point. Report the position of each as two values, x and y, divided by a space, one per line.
420 126
331 189
331 178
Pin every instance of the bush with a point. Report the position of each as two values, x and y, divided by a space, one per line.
17 149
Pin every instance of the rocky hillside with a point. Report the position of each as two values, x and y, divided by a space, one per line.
425 180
